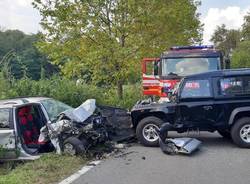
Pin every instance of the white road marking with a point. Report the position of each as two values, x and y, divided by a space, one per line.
79 173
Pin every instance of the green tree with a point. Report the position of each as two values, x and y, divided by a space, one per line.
246 27
104 40
226 39
241 56
25 59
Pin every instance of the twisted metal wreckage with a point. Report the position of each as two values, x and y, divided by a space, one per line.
74 131
77 131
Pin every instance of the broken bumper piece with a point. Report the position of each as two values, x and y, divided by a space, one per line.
179 145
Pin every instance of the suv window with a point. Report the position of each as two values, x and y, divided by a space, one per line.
196 88
231 86
5 118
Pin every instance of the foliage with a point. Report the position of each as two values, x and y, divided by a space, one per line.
4 86
226 40
50 168
18 52
102 41
67 91
246 27
234 43
241 56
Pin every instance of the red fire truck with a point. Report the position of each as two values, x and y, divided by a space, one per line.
161 74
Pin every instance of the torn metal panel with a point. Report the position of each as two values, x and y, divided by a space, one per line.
179 145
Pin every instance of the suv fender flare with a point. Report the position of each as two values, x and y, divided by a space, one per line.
235 112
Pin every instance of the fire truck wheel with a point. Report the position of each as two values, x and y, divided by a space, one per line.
147 131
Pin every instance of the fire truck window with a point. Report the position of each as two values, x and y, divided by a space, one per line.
150 67
188 66
196 88
235 86
4 118
183 67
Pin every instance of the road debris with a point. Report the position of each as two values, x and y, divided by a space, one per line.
179 145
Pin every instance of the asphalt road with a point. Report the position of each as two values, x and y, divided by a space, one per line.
217 162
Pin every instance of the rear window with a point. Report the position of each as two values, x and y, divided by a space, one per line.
5 118
234 86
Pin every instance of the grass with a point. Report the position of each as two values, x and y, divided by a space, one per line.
50 168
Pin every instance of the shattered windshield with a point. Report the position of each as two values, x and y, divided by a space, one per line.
188 66
54 108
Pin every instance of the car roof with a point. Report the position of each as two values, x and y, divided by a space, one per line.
221 73
9 103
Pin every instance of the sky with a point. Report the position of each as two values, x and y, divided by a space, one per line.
19 14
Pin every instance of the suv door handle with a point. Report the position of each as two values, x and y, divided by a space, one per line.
207 107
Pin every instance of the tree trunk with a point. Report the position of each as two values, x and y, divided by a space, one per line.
120 90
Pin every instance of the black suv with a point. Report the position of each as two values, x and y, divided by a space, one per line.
212 101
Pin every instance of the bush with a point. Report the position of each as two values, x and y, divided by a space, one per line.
67 91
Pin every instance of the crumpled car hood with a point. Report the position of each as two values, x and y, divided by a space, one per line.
83 112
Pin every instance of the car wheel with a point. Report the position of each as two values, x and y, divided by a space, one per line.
73 146
226 134
240 132
147 131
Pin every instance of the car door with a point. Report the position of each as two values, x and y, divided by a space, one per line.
38 113
196 107
8 148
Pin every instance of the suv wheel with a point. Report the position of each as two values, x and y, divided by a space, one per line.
226 134
240 132
147 131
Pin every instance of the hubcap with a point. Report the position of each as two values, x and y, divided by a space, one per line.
245 133
150 132
69 149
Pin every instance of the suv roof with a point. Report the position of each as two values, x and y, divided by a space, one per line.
220 73
9 103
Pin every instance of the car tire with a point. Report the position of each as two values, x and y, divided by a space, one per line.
73 146
226 134
145 133
237 132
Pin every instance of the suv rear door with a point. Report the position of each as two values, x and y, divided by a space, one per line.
8 149
231 92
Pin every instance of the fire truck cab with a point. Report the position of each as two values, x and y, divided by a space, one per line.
160 75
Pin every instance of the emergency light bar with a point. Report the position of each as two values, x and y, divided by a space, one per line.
192 47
